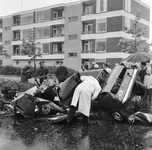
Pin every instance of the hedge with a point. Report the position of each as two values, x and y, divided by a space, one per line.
11 70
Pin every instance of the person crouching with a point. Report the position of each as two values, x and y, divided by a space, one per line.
86 91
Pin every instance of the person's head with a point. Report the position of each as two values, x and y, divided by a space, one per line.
108 65
93 63
116 64
105 65
143 65
60 63
41 63
96 66
29 63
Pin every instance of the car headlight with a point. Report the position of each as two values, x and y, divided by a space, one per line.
120 93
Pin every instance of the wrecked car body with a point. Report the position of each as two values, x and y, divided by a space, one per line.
121 86
53 100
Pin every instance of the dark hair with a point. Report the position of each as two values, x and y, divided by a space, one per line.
106 64
143 63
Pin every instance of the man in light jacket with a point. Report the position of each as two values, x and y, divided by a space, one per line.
86 91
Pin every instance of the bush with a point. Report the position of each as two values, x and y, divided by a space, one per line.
4 83
11 70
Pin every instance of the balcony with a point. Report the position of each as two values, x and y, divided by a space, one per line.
58 35
57 18
15 39
45 56
86 51
87 32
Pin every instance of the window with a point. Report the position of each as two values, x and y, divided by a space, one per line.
101 5
29 33
127 24
43 32
39 32
26 33
43 15
73 37
100 45
0 24
101 25
73 19
128 5
16 20
46 31
7 28
27 18
58 14
7 42
46 15
72 54
88 9
57 47
58 31
16 35
88 28
16 49
23 34
39 16
46 48
0 37
87 46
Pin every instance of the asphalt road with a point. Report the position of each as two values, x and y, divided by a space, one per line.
107 134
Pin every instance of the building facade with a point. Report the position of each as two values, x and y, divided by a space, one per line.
75 33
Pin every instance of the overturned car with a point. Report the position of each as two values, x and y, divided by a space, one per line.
120 87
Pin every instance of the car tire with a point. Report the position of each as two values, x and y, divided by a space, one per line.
45 110
117 116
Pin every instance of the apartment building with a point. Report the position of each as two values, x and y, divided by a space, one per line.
75 33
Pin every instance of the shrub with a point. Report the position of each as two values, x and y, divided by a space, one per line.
15 85
11 70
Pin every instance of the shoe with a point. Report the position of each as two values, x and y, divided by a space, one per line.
85 120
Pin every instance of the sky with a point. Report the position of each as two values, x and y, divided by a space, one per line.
7 7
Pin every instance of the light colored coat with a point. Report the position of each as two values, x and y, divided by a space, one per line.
148 81
85 92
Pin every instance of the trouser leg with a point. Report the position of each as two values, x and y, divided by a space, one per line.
71 113
85 120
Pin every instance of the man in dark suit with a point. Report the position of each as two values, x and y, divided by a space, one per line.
143 71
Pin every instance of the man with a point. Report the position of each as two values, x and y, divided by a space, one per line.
86 91
92 66
42 71
106 67
143 71
61 73
148 85
26 72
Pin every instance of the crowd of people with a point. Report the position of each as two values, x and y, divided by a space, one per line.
42 72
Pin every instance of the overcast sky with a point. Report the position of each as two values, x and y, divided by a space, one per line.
7 7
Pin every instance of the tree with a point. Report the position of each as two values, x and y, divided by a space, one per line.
31 48
130 45
3 52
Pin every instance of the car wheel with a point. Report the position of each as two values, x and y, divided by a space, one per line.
45 110
117 116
